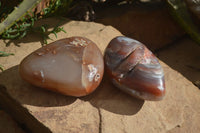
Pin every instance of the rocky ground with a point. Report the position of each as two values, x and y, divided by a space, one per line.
108 110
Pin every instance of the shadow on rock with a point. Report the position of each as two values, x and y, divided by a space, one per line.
106 96
36 34
183 57
109 98
31 95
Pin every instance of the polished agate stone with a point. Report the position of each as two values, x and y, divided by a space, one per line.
72 66
134 69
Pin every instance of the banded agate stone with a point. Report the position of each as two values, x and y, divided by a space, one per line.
134 69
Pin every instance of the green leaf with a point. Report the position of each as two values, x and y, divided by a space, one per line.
4 54
54 33
181 14
43 29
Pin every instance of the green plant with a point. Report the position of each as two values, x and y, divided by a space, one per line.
181 14
4 54
42 30
18 21
17 14
14 28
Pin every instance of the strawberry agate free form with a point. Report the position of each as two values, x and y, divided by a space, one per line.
71 66
134 69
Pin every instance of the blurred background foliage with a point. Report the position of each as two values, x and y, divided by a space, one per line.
185 12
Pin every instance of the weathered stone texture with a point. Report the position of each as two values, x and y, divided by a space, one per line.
107 110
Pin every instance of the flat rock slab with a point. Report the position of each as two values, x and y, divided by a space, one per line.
107 110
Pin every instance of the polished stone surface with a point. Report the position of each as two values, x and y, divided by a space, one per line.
134 69
109 110
72 66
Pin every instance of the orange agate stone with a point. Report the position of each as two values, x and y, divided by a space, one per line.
71 66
